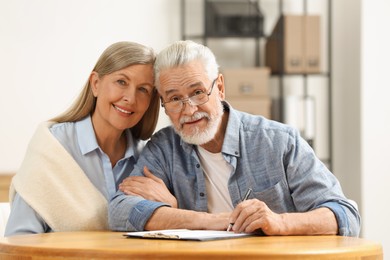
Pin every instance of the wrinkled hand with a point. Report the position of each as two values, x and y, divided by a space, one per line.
222 221
216 221
149 187
254 214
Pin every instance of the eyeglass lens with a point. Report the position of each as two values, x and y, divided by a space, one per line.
195 100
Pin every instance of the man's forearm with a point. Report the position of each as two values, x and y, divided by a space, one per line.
172 218
320 221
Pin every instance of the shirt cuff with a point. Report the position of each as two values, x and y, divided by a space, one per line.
341 217
141 213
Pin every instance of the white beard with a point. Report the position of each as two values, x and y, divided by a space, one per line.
196 135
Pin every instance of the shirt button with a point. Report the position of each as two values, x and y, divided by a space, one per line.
236 153
201 194
197 165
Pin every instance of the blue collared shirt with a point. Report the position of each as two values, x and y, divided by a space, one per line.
267 156
79 139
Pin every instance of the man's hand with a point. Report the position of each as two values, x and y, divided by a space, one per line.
149 187
254 214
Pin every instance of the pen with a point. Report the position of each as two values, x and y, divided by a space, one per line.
245 198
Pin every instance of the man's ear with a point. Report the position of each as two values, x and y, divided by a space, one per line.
221 87
94 82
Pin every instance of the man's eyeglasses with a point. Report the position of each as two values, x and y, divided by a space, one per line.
199 98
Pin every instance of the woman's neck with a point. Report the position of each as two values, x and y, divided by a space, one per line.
112 142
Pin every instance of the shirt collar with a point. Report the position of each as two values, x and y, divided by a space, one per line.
87 138
86 135
231 141
130 150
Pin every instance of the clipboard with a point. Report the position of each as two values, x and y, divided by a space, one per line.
186 234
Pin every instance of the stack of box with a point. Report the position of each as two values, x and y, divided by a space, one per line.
294 45
246 89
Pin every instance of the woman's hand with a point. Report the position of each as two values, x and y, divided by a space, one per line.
149 187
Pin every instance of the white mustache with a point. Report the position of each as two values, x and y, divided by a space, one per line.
194 117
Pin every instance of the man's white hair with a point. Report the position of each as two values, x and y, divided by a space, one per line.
182 52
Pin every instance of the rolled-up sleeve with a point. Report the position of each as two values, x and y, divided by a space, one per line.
141 213
347 216
314 186
130 213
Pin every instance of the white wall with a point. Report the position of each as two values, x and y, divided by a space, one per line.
48 48
375 125
361 110
346 96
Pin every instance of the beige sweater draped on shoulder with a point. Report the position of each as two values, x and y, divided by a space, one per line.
55 186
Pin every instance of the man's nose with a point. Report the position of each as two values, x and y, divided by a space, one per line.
189 107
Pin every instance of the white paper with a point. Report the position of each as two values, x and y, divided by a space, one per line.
186 234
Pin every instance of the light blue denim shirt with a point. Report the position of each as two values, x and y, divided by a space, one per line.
267 156
79 139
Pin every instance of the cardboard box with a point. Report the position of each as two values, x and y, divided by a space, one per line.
252 105
284 52
246 82
294 45
312 46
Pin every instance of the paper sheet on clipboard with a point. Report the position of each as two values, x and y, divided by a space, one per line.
186 234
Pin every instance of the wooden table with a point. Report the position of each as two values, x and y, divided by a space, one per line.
113 245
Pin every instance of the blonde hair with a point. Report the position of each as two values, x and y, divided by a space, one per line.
118 56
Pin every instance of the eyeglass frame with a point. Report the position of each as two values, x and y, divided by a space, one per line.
188 99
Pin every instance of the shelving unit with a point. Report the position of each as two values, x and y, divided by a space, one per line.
204 37
281 76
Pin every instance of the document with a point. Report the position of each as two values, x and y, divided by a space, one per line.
186 234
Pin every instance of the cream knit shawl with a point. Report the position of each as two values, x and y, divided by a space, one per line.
55 186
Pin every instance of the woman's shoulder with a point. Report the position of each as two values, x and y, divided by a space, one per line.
63 130
69 130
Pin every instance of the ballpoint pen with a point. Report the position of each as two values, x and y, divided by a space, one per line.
245 198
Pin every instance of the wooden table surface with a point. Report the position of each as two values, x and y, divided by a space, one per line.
113 245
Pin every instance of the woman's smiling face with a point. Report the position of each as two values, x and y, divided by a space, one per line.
122 96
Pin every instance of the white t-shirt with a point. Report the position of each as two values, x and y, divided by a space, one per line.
217 172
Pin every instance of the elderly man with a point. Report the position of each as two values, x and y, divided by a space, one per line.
202 166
